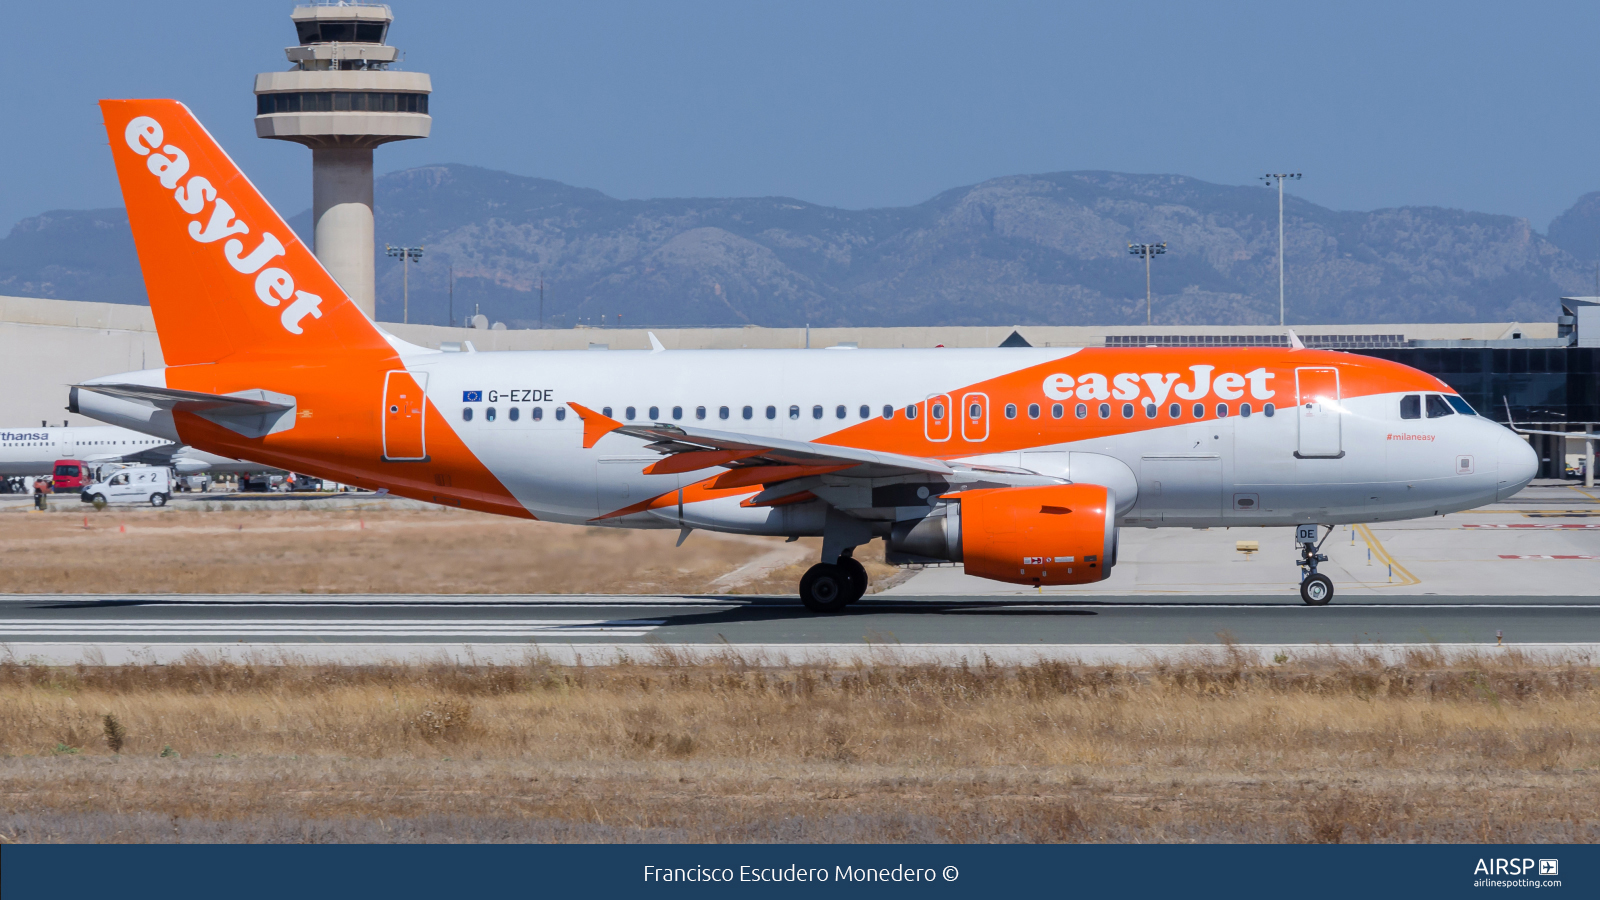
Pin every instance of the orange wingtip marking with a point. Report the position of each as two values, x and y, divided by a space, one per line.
693 493
595 426
799 497
770 474
697 459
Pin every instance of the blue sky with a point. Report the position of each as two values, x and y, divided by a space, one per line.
1482 106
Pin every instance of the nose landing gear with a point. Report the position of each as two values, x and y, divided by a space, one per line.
1315 589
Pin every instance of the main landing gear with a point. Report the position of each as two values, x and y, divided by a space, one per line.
1315 589
830 588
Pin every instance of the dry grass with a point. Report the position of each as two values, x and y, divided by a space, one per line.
1331 750
427 550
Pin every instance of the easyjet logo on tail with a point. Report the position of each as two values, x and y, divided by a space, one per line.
169 164
1128 385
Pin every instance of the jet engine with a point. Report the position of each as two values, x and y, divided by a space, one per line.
1055 534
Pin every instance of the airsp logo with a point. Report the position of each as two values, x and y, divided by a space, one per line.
169 164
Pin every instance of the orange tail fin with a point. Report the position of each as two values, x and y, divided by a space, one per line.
224 272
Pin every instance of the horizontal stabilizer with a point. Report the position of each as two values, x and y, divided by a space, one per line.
253 413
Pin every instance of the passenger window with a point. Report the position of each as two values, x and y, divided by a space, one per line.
1149 410
1174 411
816 412
561 414
1222 410
604 411
866 411
1105 410
772 412
466 414
538 413
655 413
1267 409
1127 410
1081 411
749 412
1057 411
626 414
1411 406
1437 408
937 410
839 412
699 412
975 412
515 413
1199 410
1244 410
488 414
794 412
911 411
722 412
1033 410
677 413
1011 410
888 411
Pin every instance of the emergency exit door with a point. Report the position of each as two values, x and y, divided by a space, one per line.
1319 413
404 411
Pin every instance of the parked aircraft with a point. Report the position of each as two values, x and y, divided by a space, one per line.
1021 464
33 451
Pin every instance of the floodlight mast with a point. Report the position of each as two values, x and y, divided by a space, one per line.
1147 251
1279 177
406 255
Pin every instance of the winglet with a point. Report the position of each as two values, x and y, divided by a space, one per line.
595 426
655 343
1294 341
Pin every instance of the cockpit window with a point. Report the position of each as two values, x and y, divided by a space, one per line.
1437 408
1411 406
1460 405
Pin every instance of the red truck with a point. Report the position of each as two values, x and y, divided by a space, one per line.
69 475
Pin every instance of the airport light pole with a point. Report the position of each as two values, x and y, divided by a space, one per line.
406 255
1279 177
1147 251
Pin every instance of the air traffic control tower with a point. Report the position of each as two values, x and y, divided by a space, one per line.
341 99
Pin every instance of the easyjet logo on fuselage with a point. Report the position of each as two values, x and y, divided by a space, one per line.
273 285
1197 384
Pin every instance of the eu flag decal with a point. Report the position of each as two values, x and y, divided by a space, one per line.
472 396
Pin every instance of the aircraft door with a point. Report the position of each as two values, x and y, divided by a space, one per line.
975 417
1319 413
936 424
404 410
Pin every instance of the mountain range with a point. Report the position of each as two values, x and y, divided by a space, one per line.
1023 249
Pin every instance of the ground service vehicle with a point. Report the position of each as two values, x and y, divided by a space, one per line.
69 475
1020 463
133 484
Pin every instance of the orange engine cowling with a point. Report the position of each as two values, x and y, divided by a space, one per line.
1057 534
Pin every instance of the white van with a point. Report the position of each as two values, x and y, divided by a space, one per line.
134 484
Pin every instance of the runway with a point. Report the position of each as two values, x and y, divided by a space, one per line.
59 628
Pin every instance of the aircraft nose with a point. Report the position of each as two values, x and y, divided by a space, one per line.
1518 464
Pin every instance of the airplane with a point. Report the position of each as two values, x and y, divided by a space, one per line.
1021 464
34 451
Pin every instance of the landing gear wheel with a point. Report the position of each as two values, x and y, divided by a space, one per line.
856 576
825 589
1316 590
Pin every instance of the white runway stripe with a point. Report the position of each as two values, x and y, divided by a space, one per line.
373 628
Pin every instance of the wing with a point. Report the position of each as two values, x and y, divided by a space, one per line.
795 471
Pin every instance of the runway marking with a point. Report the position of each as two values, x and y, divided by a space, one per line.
1546 556
1529 525
377 627
1383 555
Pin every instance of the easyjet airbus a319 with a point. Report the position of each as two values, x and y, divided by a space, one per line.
1021 464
